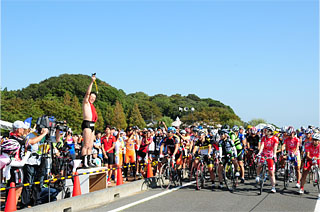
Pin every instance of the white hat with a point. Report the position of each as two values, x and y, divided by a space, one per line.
19 124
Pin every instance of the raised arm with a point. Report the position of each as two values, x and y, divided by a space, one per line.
86 97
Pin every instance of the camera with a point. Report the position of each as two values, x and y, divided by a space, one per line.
51 124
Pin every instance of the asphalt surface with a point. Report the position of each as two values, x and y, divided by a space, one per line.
245 198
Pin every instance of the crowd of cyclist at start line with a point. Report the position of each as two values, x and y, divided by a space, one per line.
301 146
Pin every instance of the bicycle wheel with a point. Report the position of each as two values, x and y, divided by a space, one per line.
263 175
286 177
317 179
164 177
199 176
228 176
233 178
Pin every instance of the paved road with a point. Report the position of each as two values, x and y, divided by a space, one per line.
246 198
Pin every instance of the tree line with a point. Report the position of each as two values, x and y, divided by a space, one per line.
62 97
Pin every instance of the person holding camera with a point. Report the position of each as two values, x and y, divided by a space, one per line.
90 117
26 173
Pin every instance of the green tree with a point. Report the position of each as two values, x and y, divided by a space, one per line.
119 118
76 104
67 99
135 118
166 120
255 122
100 122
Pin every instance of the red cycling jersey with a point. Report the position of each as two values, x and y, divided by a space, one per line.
292 144
308 143
269 143
314 151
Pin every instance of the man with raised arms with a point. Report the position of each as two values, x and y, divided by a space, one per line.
90 117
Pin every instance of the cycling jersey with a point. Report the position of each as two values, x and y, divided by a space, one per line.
308 143
314 151
226 146
203 146
291 145
236 141
269 144
170 143
253 141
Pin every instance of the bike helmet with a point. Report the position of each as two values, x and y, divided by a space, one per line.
270 127
284 129
10 146
316 136
183 132
223 131
308 131
201 132
226 127
290 130
171 129
235 128
253 130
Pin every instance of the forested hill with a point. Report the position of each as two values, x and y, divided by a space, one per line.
62 97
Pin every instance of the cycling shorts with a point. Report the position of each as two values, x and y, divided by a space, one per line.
240 156
270 163
130 156
296 160
142 156
308 164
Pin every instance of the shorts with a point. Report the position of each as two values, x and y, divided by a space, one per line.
240 156
87 124
296 160
16 175
130 156
270 163
308 164
110 159
209 161
142 157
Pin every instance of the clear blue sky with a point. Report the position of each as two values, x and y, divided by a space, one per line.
259 57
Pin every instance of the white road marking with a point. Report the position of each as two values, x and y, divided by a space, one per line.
317 209
150 198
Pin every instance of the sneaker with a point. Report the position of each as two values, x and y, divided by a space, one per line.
301 191
290 180
237 174
257 179
281 171
242 180
273 190
298 185
213 187
221 185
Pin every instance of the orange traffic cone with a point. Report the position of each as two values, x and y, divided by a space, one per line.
149 171
76 185
119 176
11 200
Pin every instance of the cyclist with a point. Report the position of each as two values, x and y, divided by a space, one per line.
269 145
253 143
185 147
234 135
172 144
204 147
291 145
313 157
226 148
